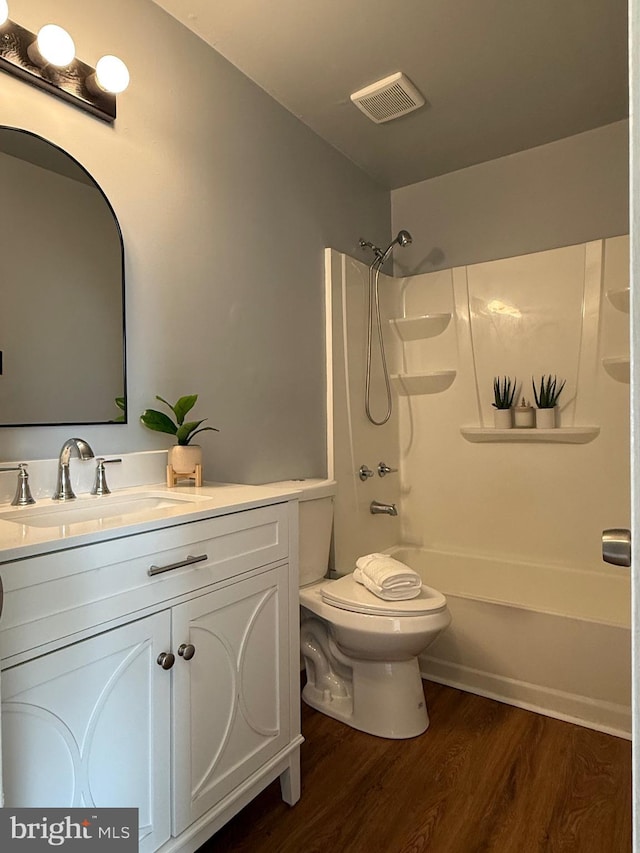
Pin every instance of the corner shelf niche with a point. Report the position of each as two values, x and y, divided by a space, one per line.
618 368
420 327
560 435
619 299
409 384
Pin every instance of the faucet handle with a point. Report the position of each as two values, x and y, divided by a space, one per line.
23 496
383 469
100 484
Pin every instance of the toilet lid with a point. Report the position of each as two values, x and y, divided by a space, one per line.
348 594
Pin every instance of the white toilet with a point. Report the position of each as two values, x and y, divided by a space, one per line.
360 651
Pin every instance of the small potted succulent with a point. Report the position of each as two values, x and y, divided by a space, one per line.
184 456
504 390
546 397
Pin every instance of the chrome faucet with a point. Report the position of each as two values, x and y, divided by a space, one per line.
376 508
100 483
23 492
64 492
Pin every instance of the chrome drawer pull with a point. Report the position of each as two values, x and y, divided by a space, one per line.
157 570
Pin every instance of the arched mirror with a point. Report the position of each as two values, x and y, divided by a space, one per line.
62 284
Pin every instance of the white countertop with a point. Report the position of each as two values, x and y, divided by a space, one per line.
19 539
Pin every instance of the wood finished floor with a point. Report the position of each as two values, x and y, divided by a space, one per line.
484 777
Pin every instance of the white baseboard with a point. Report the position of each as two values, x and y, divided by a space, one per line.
593 714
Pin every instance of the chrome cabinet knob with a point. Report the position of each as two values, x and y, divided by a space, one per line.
616 546
166 660
186 651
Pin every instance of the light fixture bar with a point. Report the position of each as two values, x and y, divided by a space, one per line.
68 83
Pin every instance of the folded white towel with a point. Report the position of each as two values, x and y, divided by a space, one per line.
387 578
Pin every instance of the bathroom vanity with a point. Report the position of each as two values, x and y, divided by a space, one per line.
150 656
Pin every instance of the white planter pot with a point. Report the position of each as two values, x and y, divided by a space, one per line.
546 418
502 418
184 458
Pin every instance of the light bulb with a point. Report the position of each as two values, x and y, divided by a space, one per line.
112 74
4 11
56 45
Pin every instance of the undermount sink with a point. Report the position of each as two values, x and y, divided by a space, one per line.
111 509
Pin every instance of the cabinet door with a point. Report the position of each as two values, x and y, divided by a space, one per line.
88 725
231 706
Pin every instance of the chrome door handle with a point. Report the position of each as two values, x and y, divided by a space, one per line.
616 546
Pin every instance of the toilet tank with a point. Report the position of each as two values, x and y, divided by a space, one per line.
315 523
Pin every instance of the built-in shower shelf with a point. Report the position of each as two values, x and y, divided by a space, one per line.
561 435
617 368
419 327
619 299
410 384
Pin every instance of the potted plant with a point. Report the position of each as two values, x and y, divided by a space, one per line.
546 397
184 456
504 390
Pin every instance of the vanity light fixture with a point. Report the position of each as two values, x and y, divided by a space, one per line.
48 61
54 46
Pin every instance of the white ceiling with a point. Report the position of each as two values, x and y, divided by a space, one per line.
499 76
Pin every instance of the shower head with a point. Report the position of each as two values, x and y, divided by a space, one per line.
403 239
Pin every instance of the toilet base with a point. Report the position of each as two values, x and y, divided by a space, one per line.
385 699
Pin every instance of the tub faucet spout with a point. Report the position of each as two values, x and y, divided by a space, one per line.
377 508
82 450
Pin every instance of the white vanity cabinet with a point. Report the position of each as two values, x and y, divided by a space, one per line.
89 724
231 699
175 692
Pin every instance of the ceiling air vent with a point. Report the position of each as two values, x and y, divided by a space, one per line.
392 97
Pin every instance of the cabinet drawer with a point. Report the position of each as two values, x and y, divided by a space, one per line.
53 596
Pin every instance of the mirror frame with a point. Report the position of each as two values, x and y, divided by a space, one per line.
122 290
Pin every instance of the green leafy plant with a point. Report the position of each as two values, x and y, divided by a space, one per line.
183 431
122 405
504 390
547 394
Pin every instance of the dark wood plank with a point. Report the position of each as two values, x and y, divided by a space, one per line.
484 777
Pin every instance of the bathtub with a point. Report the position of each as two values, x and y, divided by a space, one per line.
549 639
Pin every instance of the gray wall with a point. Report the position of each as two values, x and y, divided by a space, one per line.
226 202
559 194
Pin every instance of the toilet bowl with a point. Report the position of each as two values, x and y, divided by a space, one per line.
361 655
360 652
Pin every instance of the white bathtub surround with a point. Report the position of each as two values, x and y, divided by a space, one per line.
553 640
532 501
